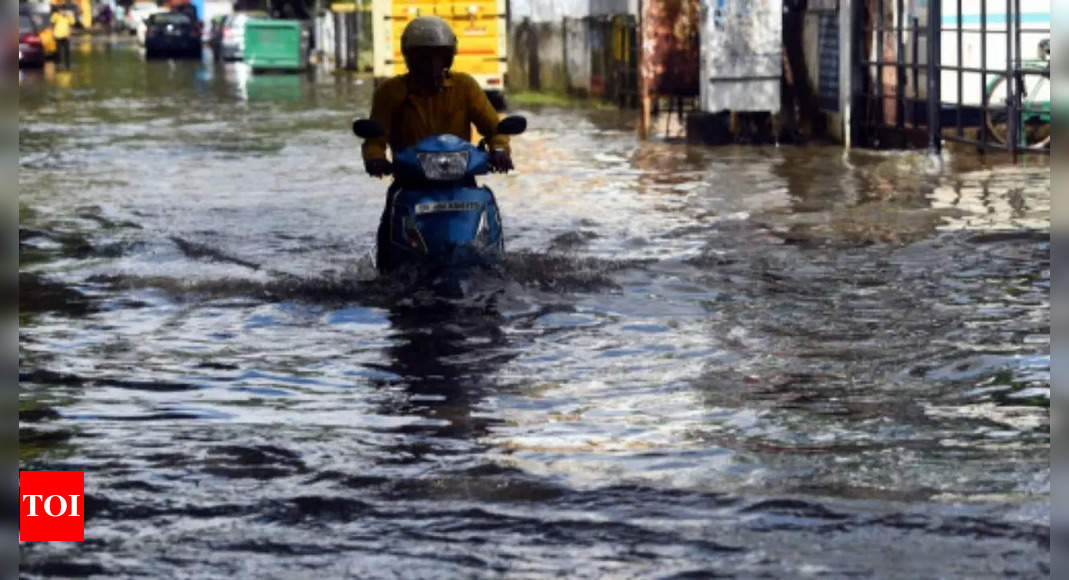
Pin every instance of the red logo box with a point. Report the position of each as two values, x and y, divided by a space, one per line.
51 506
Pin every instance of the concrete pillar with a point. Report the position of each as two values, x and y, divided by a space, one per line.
846 66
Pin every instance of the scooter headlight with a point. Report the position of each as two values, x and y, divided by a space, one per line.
444 166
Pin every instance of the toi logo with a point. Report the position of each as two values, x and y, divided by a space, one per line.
51 506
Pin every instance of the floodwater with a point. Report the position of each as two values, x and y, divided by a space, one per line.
753 361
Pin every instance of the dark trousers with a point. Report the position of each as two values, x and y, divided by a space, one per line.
63 51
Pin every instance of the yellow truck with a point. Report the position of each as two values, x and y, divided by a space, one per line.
480 26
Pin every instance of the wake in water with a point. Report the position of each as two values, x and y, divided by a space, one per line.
358 283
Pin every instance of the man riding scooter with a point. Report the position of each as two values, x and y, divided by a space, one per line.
429 100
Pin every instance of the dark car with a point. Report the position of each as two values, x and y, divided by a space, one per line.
31 49
172 34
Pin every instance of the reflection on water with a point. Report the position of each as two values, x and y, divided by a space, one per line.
744 361
442 358
260 86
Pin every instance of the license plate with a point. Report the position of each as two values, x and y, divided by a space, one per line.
446 206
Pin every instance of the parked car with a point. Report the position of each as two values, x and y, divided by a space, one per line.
31 50
172 34
40 12
136 16
232 41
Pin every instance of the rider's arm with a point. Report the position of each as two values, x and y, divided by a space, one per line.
385 101
485 116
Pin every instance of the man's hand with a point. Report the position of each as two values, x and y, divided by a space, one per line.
378 167
500 162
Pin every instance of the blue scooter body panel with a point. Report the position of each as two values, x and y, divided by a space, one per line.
442 225
446 226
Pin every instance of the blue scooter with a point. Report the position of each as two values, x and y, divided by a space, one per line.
437 218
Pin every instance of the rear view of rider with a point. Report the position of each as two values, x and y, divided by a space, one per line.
431 100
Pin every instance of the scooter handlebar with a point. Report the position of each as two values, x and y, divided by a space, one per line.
379 167
367 129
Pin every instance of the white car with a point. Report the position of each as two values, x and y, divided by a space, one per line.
233 41
136 16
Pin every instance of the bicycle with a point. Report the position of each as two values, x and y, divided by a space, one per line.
1034 90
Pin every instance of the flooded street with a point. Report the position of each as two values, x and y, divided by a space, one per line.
741 361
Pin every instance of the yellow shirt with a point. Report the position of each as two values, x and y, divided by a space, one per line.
61 25
407 117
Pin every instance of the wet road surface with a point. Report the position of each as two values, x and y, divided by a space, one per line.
777 362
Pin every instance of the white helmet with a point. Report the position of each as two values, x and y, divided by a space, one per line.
428 31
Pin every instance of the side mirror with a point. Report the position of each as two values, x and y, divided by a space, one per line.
367 129
512 125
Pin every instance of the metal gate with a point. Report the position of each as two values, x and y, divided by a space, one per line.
969 71
614 59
